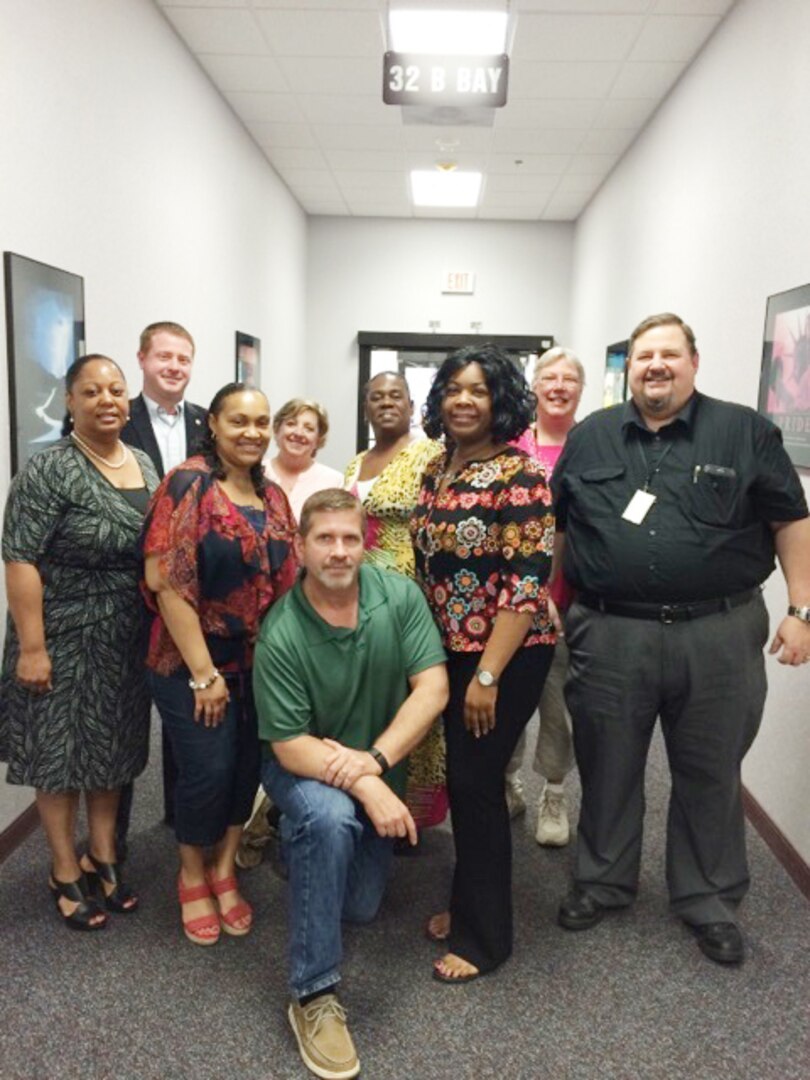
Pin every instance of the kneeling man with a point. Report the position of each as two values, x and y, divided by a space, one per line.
348 676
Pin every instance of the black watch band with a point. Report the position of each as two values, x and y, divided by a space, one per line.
380 758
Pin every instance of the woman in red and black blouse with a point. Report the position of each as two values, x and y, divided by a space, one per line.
218 547
483 533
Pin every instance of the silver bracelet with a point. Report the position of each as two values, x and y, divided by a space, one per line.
206 683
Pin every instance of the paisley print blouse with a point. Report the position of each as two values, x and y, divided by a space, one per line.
484 545
214 558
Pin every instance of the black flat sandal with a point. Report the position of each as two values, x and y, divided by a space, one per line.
78 893
120 898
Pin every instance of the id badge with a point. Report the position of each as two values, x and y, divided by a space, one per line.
638 507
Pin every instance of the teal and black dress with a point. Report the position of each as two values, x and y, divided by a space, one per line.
91 732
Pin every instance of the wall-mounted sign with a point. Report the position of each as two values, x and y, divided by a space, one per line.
413 79
458 281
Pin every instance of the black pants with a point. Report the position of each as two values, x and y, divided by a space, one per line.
122 820
481 899
705 678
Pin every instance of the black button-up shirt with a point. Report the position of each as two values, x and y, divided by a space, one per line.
719 473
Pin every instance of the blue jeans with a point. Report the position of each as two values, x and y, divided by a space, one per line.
218 767
338 868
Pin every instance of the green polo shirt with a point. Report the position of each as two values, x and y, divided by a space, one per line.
312 678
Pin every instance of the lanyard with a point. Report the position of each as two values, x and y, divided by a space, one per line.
651 470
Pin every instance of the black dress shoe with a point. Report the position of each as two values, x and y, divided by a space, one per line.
721 942
579 911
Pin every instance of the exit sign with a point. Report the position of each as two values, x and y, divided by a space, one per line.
414 79
458 281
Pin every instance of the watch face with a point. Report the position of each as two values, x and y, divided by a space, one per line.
801 613
486 678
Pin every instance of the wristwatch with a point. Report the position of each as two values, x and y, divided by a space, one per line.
802 613
486 678
380 758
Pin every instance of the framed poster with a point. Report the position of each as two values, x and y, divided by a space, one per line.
784 382
45 334
615 390
248 360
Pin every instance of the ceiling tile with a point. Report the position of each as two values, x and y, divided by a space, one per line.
268 108
521 140
391 184
204 3
533 164
564 208
584 184
318 205
534 112
323 33
426 137
646 80
359 136
592 163
281 135
207 30
673 37
589 7
314 5
521 185
552 80
330 75
353 109
625 112
608 141
296 158
575 37
692 7
310 181
371 160
509 213
251 73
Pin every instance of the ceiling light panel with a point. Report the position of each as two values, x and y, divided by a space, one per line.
447 33
429 187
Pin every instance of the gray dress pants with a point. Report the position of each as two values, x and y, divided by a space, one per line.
705 679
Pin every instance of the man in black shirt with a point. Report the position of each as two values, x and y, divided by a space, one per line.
670 510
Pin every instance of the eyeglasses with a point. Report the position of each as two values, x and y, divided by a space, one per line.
552 380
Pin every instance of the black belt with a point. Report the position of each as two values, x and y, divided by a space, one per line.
667 613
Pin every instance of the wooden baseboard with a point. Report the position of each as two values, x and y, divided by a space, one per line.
779 844
19 830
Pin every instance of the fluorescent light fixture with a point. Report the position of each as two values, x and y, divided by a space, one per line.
430 187
448 33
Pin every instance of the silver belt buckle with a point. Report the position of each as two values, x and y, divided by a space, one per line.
667 614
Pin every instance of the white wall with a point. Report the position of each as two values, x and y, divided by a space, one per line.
707 216
386 274
119 162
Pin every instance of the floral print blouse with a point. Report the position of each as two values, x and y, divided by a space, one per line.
485 545
215 558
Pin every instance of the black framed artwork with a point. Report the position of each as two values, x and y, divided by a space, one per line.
248 360
784 383
45 333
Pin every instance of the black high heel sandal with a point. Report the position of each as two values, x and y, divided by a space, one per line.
78 893
120 898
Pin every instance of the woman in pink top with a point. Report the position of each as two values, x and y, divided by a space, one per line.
299 428
558 381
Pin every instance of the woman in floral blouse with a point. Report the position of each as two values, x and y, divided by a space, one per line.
483 533
218 548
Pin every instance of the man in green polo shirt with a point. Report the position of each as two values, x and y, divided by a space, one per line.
348 677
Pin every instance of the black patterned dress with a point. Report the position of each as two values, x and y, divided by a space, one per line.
91 732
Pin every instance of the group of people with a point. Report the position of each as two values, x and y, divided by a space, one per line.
372 644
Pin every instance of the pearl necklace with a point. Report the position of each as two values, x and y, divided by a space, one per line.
89 450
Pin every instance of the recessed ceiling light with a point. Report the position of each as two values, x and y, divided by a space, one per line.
448 33
429 187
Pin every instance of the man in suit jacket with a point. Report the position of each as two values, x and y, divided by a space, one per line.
169 430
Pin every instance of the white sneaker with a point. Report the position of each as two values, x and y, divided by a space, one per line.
323 1038
552 818
515 800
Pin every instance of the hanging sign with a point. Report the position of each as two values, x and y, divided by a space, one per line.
413 79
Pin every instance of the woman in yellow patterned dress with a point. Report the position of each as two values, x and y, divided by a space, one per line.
387 479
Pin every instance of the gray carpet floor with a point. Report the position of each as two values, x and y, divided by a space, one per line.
632 999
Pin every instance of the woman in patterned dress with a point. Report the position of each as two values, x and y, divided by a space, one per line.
218 548
483 532
74 704
387 479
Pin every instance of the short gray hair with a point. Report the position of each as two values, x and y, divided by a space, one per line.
551 356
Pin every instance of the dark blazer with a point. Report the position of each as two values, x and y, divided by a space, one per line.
138 430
